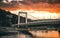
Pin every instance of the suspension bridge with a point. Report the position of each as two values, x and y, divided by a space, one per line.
39 24
28 27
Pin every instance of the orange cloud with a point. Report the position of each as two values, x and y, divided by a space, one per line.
28 5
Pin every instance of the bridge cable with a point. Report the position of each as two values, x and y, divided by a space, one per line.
33 17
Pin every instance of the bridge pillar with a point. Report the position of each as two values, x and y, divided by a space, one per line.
20 18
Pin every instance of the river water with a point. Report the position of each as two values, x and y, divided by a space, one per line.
34 34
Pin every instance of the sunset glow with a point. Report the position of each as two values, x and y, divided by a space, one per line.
30 5
37 8
35 15
30 18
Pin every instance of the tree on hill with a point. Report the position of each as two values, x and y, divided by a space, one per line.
7 18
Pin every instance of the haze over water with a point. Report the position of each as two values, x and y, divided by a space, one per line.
36 34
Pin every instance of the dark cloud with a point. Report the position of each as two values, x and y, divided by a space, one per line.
32 5
2 4
37 1
23 2
48 1
9 6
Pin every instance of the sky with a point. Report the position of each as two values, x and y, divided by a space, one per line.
50 6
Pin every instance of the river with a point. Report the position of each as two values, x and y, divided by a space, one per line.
35 34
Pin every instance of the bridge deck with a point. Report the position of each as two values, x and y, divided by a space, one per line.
41 22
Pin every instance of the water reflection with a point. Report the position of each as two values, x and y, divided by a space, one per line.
35 34
45 34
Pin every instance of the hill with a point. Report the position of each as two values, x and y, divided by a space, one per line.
7 18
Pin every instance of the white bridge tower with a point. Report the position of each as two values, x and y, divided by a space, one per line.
20 18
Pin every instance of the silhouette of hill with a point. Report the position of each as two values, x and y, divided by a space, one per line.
7 18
